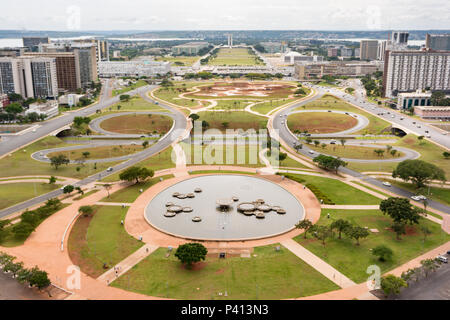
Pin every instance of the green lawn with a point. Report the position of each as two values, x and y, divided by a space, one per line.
171 94
138 84
131 193
136 103
160 161
234 120
100 239
328 102
232 104
266 275
267 106
355 152
234 57
337 191
287 163
353 260
20 162
99 152
238 155
179 61
14 193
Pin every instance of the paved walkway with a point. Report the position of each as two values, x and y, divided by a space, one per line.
351 207
123 266
317 263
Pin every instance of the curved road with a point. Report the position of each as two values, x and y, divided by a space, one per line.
177 132
279 124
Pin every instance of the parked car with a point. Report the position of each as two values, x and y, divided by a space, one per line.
419 198
109 169
442 259
387 184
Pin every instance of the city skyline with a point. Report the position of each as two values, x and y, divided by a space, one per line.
251 15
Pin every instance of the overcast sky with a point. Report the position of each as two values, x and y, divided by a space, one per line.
66 15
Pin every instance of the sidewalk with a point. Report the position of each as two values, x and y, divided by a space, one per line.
129 262
318 264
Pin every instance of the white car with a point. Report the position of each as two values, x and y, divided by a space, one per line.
419 198
109 169
442 259
387 184
310 151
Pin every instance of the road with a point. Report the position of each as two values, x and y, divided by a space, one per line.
390 115
279 123
435 287
180 123
11 143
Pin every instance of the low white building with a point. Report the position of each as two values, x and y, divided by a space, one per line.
49 109
70 99
109 69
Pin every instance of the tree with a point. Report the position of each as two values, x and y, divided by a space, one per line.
399 229
80 191
400 210
438 98
429 265
14 108
39 278
384 253
68 189
22 230
306 225
107 187
343 142
136 173
316 143
59 160
391 284
194 117
419 172
191 253
329 162
145 144
356 232
86 154
321 233
86 210
124 97
446 155
340 225
282 156
52 180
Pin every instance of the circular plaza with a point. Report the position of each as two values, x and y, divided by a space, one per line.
224 208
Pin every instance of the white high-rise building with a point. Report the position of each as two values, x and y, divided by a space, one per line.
31 77
406 71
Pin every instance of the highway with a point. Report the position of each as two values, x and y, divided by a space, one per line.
408 124
180 124
279 123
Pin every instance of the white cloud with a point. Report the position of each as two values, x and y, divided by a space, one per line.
228 14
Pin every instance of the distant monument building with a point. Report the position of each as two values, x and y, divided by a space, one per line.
230 40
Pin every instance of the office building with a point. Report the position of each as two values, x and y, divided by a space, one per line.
32 43
408 100
406 71
295 57
31 77
108 69
190 48
274 47
4 101
368 49
381 50
339 68
11 52
399 38
439 42
346 52
332 52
